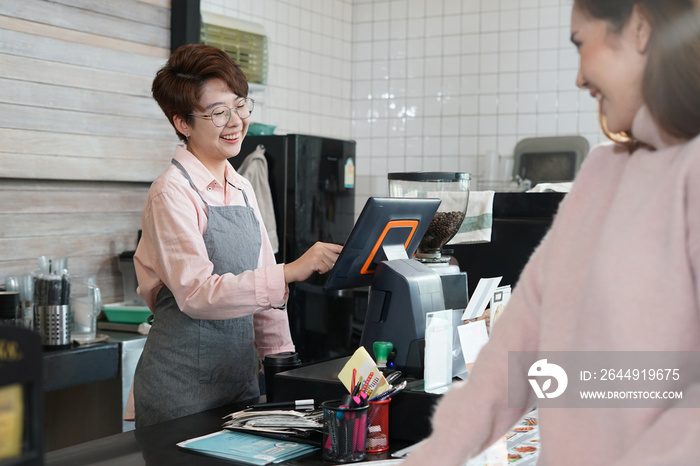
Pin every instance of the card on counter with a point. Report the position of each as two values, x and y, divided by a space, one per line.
373 379
472 336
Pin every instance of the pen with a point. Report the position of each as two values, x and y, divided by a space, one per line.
296 404
356 435
390 392
363 432
357 387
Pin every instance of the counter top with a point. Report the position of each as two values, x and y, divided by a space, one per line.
80 364
156 445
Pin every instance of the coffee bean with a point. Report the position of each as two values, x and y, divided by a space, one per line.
442 228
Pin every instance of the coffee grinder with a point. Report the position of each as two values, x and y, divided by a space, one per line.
452 188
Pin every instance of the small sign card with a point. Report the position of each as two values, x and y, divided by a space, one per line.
500 298
481 297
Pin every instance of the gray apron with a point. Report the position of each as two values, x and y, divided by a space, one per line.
191 365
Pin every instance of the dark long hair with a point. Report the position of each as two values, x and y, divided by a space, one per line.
671 85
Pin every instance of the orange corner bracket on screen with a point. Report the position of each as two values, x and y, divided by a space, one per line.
412 224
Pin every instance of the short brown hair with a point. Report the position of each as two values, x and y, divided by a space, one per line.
671 85
177 86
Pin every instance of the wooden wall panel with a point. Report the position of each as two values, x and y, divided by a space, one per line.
147 25
87 101
38 141
149 12
82 136
37 70
53 44
78 168
69 121
91 223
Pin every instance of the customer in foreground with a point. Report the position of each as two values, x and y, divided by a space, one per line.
620 268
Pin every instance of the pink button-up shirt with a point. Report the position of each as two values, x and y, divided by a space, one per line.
172 253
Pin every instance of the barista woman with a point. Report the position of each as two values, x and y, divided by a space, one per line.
620 268
205 266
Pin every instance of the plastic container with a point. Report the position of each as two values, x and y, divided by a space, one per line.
452 188
86 307
124 314
260 129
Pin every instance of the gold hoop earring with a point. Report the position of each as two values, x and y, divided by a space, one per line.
625 137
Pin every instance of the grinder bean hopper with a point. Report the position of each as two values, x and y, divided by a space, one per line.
452 189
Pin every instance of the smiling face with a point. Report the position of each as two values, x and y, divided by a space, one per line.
214 145
611 65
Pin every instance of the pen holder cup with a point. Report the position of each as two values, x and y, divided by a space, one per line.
378 426
54 325
344 432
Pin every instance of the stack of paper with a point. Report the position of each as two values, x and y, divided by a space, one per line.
247 448
285 423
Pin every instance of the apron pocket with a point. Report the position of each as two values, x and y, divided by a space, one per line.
227 351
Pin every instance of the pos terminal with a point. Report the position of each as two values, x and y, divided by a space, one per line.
378 252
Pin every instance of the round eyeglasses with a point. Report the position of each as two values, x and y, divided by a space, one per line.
221 115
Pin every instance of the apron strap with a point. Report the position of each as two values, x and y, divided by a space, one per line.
189 179
245 198
187 175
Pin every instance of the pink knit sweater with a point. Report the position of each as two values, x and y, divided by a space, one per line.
618 271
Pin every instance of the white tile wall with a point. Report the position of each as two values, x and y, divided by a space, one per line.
309 87
468 78
420 84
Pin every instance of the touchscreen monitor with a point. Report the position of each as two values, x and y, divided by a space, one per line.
387 228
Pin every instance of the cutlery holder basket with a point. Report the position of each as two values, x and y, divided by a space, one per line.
54 325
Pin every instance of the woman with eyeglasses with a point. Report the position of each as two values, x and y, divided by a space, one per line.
204 263
614 289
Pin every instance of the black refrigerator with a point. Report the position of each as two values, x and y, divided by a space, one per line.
312 184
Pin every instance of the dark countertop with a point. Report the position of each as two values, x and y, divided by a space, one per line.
156 445
80 364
